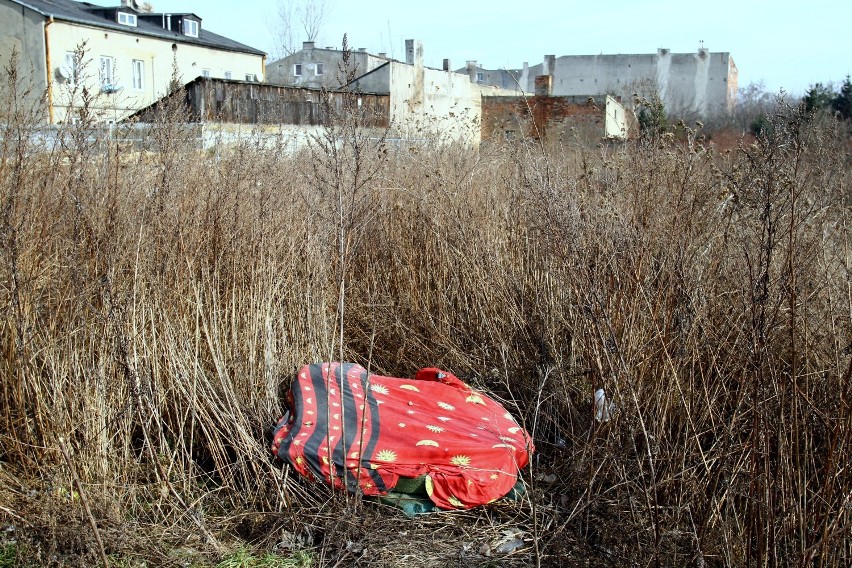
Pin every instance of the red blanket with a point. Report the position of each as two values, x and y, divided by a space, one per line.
363 431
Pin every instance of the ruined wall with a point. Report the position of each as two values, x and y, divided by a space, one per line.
238 102
554 118
427 103
701 83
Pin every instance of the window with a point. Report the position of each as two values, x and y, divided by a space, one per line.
228 75
480 77
106 73
71 68
319 68
127 19
205 73
297 70
250 77
190 28
138 73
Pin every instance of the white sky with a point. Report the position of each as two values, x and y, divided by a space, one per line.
784 43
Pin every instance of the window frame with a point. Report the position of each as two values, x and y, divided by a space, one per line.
297 70
229 76
318 69
130 19
205 73
137 67
73 67
480 77
190 27
110 71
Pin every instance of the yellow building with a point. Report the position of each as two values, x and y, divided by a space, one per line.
122 58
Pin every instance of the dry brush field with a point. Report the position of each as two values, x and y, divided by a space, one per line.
155 305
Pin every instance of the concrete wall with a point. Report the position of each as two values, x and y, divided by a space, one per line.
701 83
621 122
22 30
429 103
157 56
282 71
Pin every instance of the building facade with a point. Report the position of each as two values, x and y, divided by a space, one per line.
697 84
502 78
121 58
316 67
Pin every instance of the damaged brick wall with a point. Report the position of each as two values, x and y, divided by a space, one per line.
544 118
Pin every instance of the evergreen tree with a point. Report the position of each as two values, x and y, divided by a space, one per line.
818 97
842 102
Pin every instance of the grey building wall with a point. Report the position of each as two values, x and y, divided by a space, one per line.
22 30
376 81
283 71
502 78
700 83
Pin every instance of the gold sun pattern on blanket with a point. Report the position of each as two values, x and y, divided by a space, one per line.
386 456
460 459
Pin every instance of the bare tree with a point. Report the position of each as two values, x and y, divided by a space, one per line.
298 20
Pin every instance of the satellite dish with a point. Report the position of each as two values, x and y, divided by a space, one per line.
134 4
62 73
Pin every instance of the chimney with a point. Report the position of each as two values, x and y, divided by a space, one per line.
307 45
409 51
549 65
129 4
524 79
362 49
471 70
447 66
383 54
414 52
544 85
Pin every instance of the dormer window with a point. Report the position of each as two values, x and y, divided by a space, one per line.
127 19
190 28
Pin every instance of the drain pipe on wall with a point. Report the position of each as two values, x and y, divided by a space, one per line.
49 69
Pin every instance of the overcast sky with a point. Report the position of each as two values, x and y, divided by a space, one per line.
786 44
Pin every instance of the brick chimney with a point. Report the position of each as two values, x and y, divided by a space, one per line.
544 85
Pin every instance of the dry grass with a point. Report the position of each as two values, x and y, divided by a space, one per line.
153 308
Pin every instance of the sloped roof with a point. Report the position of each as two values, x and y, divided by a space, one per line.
89 14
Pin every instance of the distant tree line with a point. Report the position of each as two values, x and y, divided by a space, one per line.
822 97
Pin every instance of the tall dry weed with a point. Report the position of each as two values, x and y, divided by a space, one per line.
154 304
